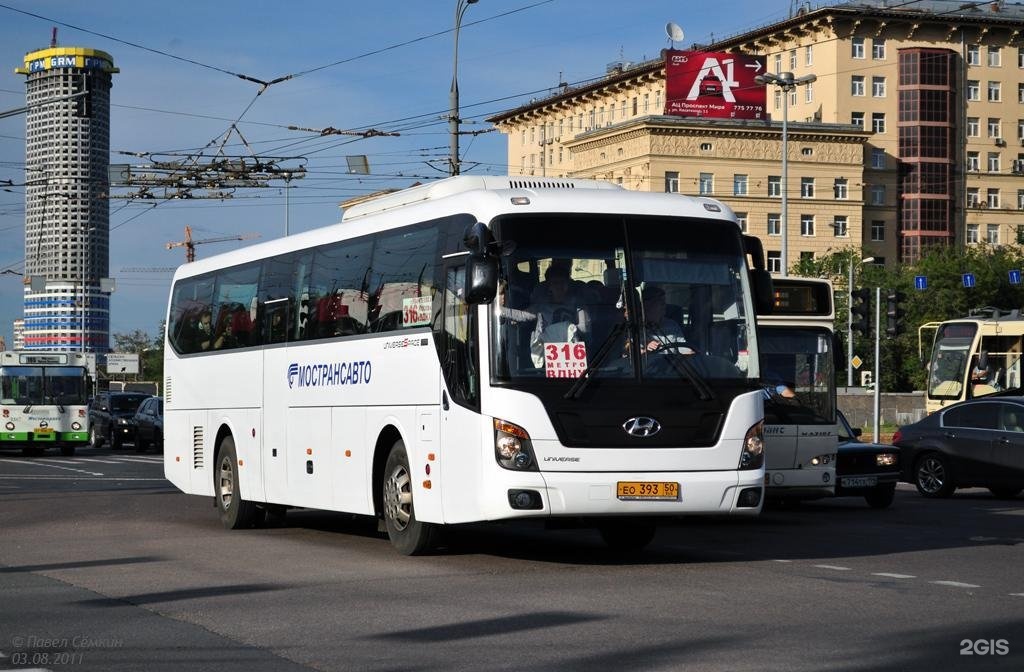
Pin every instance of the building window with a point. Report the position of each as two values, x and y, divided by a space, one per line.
809 92
857 119
777 98
809 55
672 182
1020 199
705 147
839 225
994 92
878 50
1020 57
774 185
857 85
993 128
877 194
973 127
877 230
739 185
973 161
807 151
1020 129
778 63
792 59
806 225
878 122
993 162
973 89
973 54
806 187
973 197
647 102
992 196
774 224
774 260
995 57
857 47
992 234
741 219
706 184
878 158
972 233
878 87
840 188
1020 93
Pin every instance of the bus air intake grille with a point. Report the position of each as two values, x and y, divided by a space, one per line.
197 447
167 390
540 184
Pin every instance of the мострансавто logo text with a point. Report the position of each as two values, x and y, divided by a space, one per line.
324 375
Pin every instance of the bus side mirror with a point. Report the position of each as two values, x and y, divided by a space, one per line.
761 284
481 279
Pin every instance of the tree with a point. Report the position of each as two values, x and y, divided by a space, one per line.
149 349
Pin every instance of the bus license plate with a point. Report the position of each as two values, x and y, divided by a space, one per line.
859 482
654 490
43 430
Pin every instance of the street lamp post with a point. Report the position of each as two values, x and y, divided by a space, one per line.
453 96
849 320
787 83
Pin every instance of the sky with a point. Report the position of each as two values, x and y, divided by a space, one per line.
356 65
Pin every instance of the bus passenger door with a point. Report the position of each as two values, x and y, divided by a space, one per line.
276 384
460 445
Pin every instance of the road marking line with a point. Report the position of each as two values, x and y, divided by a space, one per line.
140 459
782 561
894 576
955 584
982 538
835 567
1017 594
54 466
61 477
92 459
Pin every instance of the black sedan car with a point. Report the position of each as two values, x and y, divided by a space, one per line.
976 443
868 470
149 424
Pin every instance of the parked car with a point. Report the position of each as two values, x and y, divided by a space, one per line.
149 424
976 443
111 418
868 470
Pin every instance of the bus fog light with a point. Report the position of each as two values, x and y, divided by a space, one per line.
76 426
749 498
885 459
525 499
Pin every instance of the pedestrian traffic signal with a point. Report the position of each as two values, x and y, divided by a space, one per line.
860 311
894 313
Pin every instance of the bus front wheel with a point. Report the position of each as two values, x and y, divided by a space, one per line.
235 512
407 534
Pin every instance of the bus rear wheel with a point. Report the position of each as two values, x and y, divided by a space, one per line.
407 534
235 512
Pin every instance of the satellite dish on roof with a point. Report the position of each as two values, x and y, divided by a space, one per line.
674 32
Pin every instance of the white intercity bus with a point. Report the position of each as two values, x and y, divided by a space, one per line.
44 401
798 364
475 349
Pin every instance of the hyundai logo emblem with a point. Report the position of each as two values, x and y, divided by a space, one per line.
641 426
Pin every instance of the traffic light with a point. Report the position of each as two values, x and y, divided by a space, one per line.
894 313
860 311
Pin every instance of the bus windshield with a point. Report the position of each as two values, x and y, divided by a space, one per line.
627 296
950 355
33 385
798 370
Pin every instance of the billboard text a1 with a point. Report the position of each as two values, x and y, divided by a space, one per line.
713 84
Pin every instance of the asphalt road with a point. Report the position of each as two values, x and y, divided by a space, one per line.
104 566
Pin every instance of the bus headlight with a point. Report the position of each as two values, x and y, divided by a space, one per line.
10 426
885 459
820 460
76 426
752 456
512 447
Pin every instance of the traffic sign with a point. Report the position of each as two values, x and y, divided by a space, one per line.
968 280
1014 276
856 361
920 282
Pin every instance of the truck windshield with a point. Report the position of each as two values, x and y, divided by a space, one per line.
948 366
647 289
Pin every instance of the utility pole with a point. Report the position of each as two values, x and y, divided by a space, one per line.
878 378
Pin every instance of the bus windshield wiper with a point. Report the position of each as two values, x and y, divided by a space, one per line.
602 354
685 369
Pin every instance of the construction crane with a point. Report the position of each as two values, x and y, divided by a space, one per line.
190 245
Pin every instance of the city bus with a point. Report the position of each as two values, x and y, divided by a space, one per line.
798 366
973 356
44 401
410 363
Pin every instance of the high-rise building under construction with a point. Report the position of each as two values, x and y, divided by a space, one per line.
67 215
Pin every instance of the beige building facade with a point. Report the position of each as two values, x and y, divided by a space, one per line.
912 134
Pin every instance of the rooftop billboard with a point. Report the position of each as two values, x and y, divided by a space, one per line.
713 84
